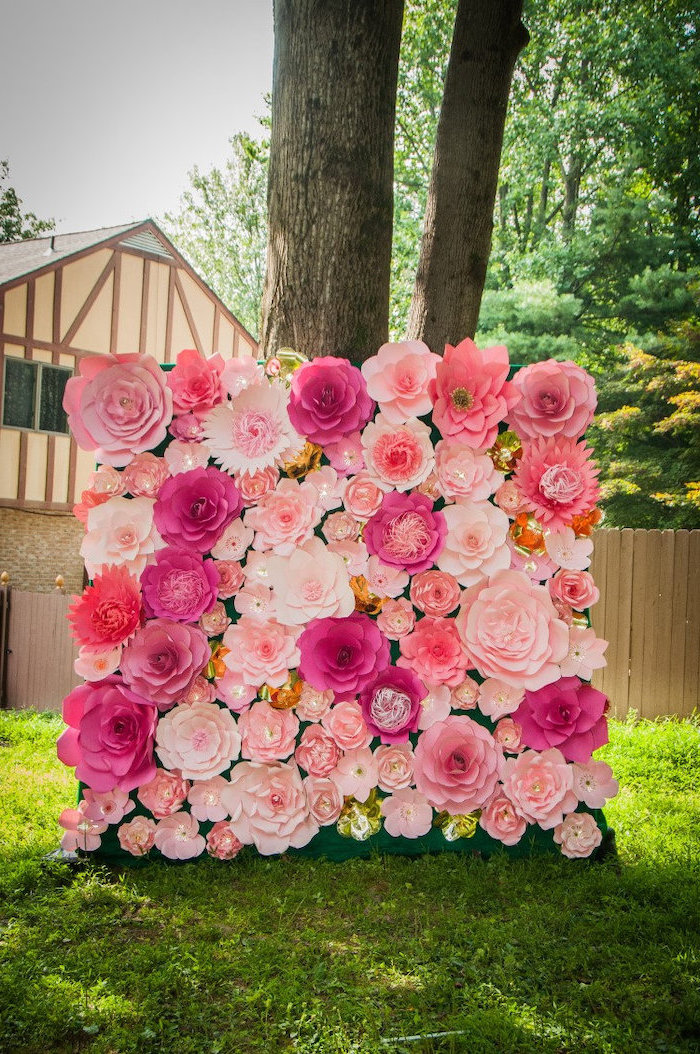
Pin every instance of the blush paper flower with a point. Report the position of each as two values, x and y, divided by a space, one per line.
398 456
194 508
578 835
398 377
253 431
200 740
540 786
407 814
268 806
328 400
267 734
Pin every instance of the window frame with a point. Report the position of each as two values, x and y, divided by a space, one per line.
38 365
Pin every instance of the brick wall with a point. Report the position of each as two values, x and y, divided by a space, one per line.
36 546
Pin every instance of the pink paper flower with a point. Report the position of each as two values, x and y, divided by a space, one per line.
261 651
342 655
578 835
398 377
457 764
328 400
435 652
121 533
463 473
397 618
436 706
328 487
394 766
231 690
508 735
119 406
267 734
222 843
268 807
205 799
163 658
471 394
180 585
138 836
575 588
567 714
398 456
353 554
199 691
311 583
145 475
93 666
231 578
435 593
253 431
540 787
216 621
407 814
186 428
466 694
106 806
475 545
500 820
406 532
110 738
178 837
565 549
512 632
194 508
324 799
313 704
200 740
361 496
284 518
82 832
391 704
346 724
109 611
253 485
496 698
317 753
356 773
558 398
585 653
164 794
183 457
196 382
537 566
341 527
594 783
558 480
240 373
256 601
234 542
509 498
383 580
346 455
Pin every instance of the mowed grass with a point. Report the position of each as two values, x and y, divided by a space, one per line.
542 955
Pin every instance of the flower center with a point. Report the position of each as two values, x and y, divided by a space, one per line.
462 398
390 709
407 536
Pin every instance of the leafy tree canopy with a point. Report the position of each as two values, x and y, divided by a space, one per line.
14 223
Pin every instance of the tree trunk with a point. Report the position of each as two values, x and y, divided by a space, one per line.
330 194
488 37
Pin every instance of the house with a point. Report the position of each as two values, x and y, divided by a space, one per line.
118 289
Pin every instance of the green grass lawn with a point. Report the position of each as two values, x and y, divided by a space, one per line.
542 955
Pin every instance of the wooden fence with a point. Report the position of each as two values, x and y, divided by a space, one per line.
649 611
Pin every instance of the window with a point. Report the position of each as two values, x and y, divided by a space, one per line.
34 396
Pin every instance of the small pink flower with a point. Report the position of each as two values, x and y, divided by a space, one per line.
471 394
205 801
240 373
216 621
496 698
463 473
361 496
585 653
565 549
231 690
253 485
594 783
398 377
435 593
346 724
407 814
145 475
346 454
200 740
500 820
325 482
406 532
391 704
509 498
234 542
578 835
231 578
317 753
436 706
353 554
187 428
222 843
398 456
537 566
108 806
178 837
284 518
253 431
397 618
434 652
93 666
558 398
457 764
384 580
268 806
394 766
466 694
508 733
341 527
558 480
540 786
164 794
575 588
356 773
324 799
200 691
181 456
267 734
120 532
82 832
261 651
196 382
475 546
255 600
138 836
313 704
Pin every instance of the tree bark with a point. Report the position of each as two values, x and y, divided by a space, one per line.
487 40
330 192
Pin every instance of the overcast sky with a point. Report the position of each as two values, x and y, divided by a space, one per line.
106 104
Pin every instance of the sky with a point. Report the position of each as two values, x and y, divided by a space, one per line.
105 105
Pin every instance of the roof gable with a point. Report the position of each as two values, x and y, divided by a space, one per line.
21 258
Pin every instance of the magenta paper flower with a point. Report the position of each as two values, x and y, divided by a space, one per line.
253 431
391 704
267 734
138 836
178 837
194 508
398 377
118 406
457 764
471 393
328 400
435 652
407 814
464 473
164 794
406 532
342 655
108 612
398 456
540 787
567 714
578 835
475 545
196 382
200 740
558 480
261 651
268 807
500 820
558 398
512 632
163 659
180 585
110 738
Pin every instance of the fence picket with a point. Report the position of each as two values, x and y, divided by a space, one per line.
691 665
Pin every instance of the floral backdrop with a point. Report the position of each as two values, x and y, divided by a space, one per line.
334 608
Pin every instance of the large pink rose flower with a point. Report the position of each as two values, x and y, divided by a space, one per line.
512 632
194 508
311 583
463 473
163 659
328 400
435 593
558 398
108 612
118 406
435 652
199 739
457 764
342 654
406 532
180 585
398 377
391 704
110 738
398 456
558 480
567 714
317 753
268 806
471 393
475 545
196 382
267 734
578 835
261 651
253 431
540 787
285 518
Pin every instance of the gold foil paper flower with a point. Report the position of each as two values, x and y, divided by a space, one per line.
457 826
360 820
506 451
